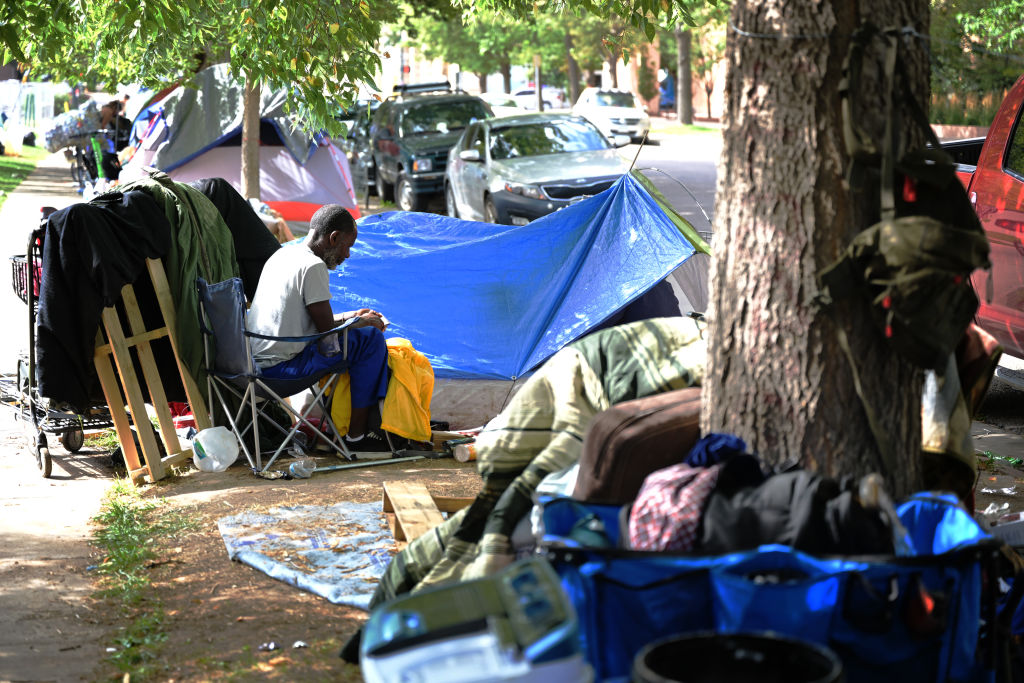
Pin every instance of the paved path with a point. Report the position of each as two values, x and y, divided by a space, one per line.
48 631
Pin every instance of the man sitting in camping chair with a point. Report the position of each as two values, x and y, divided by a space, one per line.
293 300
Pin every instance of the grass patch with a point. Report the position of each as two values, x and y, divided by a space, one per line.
104 441
127 526
15 169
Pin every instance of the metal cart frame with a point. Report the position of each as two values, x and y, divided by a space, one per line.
21 391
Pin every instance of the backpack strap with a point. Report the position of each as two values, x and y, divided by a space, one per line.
886 456
891 125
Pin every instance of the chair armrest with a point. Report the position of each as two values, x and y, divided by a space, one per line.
308 338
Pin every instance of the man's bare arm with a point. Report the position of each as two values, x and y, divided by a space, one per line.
325 319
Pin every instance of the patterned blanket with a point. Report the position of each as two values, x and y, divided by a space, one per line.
540 432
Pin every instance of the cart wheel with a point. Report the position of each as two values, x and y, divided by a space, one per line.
73 440
43 460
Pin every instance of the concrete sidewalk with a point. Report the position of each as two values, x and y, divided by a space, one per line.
49 630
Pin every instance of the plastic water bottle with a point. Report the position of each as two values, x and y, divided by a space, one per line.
302 468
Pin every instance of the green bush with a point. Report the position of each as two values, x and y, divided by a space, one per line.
61 101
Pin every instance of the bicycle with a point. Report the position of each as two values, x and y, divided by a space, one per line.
84 170
93 159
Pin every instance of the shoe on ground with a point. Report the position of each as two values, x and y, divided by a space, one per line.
372 442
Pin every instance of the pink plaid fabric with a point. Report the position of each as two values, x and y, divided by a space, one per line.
666 513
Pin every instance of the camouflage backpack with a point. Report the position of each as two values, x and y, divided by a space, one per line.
914 264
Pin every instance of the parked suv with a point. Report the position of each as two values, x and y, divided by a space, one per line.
411 134
615 112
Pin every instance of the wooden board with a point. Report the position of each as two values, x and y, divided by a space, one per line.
412 511
121 375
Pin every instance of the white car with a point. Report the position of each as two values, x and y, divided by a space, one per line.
502 104
554 98
615 112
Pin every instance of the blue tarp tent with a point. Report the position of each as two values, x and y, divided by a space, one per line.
486 301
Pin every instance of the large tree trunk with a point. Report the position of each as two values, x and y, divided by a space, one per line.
684 76
251 139
776 375
482 77
573 70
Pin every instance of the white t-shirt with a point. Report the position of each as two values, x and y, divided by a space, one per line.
292 278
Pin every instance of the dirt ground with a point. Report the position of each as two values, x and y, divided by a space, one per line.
217 612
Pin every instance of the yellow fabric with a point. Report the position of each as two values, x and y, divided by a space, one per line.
406 409
341 403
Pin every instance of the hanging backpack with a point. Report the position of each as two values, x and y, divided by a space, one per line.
913 265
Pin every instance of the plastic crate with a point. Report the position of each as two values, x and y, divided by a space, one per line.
19 277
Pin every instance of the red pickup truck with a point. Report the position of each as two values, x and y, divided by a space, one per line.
992 170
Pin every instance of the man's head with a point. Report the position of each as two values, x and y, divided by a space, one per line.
332 232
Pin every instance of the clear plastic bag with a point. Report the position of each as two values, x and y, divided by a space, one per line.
214 449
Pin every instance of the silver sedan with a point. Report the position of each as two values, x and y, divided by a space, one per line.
516 169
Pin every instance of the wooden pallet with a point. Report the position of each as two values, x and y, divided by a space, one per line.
116 371
412 511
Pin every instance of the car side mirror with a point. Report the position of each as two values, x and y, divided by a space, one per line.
470 155
620 140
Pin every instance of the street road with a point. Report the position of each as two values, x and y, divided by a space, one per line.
683 168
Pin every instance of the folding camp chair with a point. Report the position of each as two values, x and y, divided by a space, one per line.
230 368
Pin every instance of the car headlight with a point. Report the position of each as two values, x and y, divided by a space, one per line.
421 165
531 191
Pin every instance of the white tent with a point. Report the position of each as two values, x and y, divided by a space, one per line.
195 132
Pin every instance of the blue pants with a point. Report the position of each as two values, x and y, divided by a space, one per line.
367 365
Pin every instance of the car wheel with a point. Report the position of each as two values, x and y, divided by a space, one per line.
449 201
406 198
371 179
490 213
385 190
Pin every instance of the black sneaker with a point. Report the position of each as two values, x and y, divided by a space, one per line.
372 442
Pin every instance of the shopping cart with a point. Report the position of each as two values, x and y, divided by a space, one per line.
20 391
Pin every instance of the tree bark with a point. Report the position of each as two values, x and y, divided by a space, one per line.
776 375
251 139
506 76
482 77
573 69
684 76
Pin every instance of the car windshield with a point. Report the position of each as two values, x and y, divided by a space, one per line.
548 137
442 117
614 99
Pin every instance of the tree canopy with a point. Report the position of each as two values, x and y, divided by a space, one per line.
321 52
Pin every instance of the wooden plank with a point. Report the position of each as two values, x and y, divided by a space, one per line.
178 458
112 394
452 503
136 402
157 395
166 302
415 512
136 339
